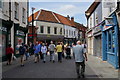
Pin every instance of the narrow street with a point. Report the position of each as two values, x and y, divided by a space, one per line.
66 69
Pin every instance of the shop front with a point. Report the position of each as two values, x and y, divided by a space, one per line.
19 37
110 40
97 47
90 42
5 28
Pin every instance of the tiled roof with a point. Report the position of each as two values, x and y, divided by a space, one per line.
49 16
35 15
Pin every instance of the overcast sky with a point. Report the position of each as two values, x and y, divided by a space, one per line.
72 8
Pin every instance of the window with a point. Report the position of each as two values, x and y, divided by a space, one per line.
16 10
109 41
48 30
55 30
69 32
60 30
41 29
23 15
0 3
74 33
64 31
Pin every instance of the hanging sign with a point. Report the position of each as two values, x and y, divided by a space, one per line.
107 27
3 29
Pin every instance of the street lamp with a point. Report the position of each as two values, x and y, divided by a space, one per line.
33 24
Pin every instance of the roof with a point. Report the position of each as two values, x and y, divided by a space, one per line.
92 8
49 16
80 26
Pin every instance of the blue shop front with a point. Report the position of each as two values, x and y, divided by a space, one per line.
110 40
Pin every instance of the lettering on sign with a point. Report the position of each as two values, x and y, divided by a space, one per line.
3 29
20 33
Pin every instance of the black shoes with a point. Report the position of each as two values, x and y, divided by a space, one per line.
43 61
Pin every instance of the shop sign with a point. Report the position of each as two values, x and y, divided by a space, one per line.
3 29
20 33
107 27
90 34
30 35
96 29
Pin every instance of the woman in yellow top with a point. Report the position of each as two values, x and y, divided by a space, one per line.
59 51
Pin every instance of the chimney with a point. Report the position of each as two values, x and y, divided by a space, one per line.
72 19
68 16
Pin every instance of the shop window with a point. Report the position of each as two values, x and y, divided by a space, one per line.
41 29
55 30
48 30
16 10
113 40
109 41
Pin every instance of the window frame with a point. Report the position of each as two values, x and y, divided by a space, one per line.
16 11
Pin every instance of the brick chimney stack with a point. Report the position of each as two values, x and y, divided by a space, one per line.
68 16
72 19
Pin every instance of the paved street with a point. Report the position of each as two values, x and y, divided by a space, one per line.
66 69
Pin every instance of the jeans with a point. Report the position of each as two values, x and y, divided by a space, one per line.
44 56
52 55
82 70
59 56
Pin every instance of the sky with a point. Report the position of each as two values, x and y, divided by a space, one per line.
72 8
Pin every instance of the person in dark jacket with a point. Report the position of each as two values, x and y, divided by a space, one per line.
68 52
22 52
9 52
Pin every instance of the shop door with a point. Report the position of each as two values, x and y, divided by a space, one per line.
111 46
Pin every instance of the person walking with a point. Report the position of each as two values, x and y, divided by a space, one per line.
9 52
40 53
26 52
59 51
36 52
80 57
44 51
52 51
68 52
22 52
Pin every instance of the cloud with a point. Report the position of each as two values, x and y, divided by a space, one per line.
71 10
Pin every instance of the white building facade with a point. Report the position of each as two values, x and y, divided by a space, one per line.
14 21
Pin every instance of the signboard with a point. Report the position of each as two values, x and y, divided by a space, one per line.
90 34
30 35
109 3
107 27
3 29
20 33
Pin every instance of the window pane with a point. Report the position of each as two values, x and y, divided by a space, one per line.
42 29
60 30
55 30
48 30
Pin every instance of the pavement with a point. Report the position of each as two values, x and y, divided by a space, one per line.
95 68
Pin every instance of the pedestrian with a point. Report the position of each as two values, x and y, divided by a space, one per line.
52 51
41 56
31 48
26 52
59 51
22 53
44 51
80 57
9 52
36 52
68 52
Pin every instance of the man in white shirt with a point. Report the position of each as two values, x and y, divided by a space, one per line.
44 51
80 57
